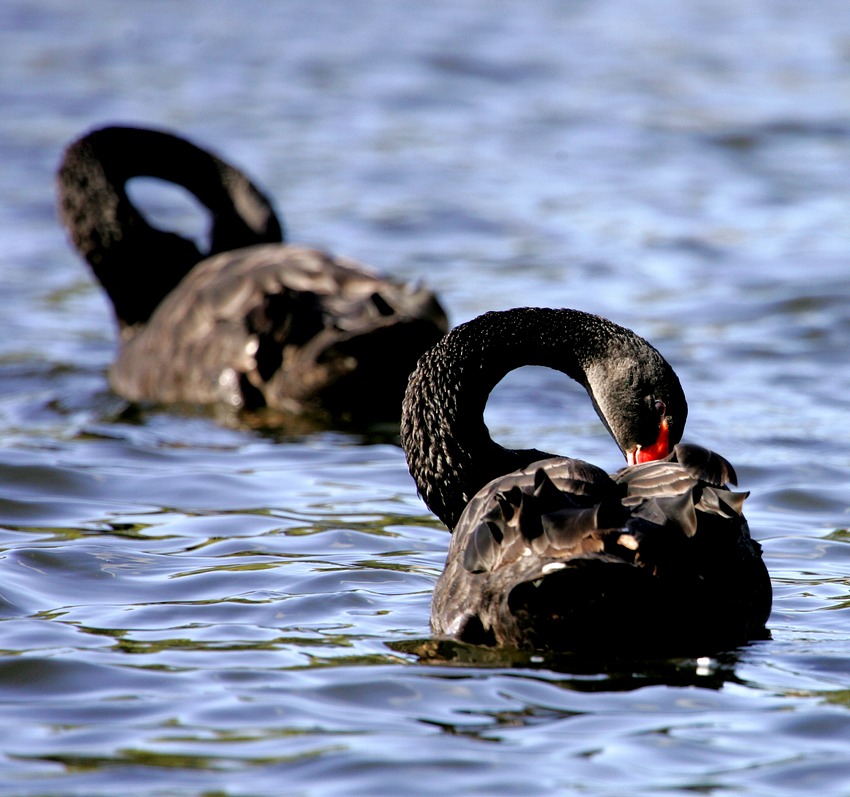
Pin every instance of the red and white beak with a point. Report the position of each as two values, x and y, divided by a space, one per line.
658 450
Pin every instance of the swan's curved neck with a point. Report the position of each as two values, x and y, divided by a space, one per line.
136 263
449 449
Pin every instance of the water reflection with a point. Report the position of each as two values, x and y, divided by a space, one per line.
619 673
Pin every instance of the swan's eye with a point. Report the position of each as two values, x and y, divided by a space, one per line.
660 407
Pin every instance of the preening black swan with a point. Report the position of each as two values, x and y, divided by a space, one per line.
252 322
552 553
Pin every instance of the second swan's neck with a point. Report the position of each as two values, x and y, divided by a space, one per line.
136 263
448 446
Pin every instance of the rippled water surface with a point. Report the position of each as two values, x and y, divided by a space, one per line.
192 607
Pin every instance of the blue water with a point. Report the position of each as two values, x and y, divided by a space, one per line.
192 607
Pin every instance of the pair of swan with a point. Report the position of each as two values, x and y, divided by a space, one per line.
546 552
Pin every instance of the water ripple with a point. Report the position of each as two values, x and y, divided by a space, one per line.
196 603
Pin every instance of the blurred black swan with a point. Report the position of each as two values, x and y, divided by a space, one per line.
552 553
251 323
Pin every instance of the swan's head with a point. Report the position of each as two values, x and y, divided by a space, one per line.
642 404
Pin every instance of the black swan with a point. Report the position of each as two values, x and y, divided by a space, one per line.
552 553
251 323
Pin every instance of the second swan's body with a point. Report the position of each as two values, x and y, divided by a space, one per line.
251 323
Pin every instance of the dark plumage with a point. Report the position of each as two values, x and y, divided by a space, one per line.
552 552
253 322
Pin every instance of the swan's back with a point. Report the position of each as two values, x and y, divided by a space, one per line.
562 556
282 326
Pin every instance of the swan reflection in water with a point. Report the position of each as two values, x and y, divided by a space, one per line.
578 671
